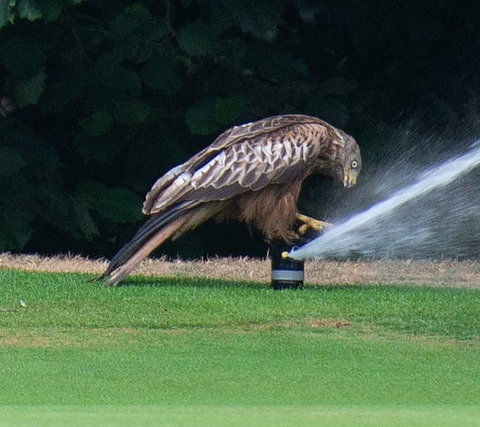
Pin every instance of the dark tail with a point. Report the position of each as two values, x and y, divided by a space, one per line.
152 234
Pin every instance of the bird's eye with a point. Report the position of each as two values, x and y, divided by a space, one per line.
354 164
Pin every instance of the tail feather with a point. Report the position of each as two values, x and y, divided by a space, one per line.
146 231
123 268
152 234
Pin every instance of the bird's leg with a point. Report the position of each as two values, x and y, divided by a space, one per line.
311 224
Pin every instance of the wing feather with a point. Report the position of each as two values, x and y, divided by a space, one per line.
244 158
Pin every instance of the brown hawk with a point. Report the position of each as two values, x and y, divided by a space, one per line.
252 173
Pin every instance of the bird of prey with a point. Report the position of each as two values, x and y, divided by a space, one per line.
252 173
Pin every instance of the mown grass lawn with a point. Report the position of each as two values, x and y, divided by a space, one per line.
166 351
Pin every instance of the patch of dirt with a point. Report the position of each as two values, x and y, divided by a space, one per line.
450 273
58 338
310 322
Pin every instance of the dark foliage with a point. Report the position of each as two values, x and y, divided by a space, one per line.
99 98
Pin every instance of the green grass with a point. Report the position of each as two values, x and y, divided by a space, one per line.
200 352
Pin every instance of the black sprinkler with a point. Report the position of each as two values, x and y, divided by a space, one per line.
287 273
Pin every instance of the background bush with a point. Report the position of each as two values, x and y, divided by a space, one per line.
99 98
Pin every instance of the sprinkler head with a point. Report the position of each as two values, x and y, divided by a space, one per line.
287 273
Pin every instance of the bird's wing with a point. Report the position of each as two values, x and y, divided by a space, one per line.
248 157
249 131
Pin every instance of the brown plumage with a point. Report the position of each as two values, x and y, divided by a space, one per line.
251 173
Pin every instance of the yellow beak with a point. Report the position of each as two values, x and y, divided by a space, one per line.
350 180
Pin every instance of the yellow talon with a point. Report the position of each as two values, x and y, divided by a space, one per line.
314 224
303 229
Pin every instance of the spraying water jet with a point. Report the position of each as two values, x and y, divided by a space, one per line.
354 233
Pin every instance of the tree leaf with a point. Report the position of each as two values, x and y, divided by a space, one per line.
135 33
32 10
29 9
10 161
338 85
115 82
6 15
259 17
274 64
160 73
28 92
13 238
96 148
116 204
196 39
84 221
228 109
48 10
41 158
15 224
23 55
211 113
200 116
98 123
132 112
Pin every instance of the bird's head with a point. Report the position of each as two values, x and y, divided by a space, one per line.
352 164
346 158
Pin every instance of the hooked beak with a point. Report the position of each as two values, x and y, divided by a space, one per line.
349 179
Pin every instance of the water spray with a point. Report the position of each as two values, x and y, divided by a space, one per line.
354 233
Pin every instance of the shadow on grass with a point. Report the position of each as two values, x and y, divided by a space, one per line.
194 282
202 282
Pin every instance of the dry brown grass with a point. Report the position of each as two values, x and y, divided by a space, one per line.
437 273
